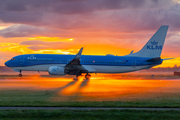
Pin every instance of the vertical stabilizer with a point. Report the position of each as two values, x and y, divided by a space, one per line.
154 46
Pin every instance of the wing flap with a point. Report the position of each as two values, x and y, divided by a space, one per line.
89 69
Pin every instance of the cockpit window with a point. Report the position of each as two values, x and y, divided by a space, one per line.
13 59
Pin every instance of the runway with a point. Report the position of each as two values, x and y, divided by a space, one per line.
96 89
116 92
86 108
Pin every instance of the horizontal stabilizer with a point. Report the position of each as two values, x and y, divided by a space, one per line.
169 58
157 59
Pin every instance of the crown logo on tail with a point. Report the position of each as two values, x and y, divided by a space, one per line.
154 43
154 46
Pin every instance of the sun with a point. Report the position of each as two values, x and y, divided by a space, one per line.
71 39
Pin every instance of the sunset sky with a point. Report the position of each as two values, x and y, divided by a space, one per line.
100 26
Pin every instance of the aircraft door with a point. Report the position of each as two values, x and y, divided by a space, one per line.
21 60
134 63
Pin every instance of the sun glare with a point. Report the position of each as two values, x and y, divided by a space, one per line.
2 27
177 1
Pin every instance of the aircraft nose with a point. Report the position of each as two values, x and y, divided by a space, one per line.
7 63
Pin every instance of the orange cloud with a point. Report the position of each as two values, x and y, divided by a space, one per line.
22 49
51 39
51 51
14 47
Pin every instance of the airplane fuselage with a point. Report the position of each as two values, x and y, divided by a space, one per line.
97 64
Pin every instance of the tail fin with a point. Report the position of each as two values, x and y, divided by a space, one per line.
154 46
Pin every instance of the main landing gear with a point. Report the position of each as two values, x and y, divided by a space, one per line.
20 75
77 76
88 76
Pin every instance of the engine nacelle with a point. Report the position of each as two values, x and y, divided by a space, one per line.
55 70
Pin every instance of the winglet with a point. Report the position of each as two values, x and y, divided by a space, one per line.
76 60
78 55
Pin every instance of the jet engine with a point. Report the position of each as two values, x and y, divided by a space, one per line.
55 70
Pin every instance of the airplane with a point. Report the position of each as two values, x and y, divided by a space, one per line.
58 64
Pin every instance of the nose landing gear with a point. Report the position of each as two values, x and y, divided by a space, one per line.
20 75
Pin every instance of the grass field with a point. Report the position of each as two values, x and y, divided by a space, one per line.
50 98
88 115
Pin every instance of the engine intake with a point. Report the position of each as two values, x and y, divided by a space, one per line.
55 70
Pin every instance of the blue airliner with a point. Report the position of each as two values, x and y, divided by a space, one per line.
56 64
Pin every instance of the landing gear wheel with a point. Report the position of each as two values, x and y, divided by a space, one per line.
87 76
77 76
20 75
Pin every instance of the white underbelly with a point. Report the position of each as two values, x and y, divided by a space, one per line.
96 68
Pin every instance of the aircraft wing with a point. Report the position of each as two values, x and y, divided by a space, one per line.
75 65
76 60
